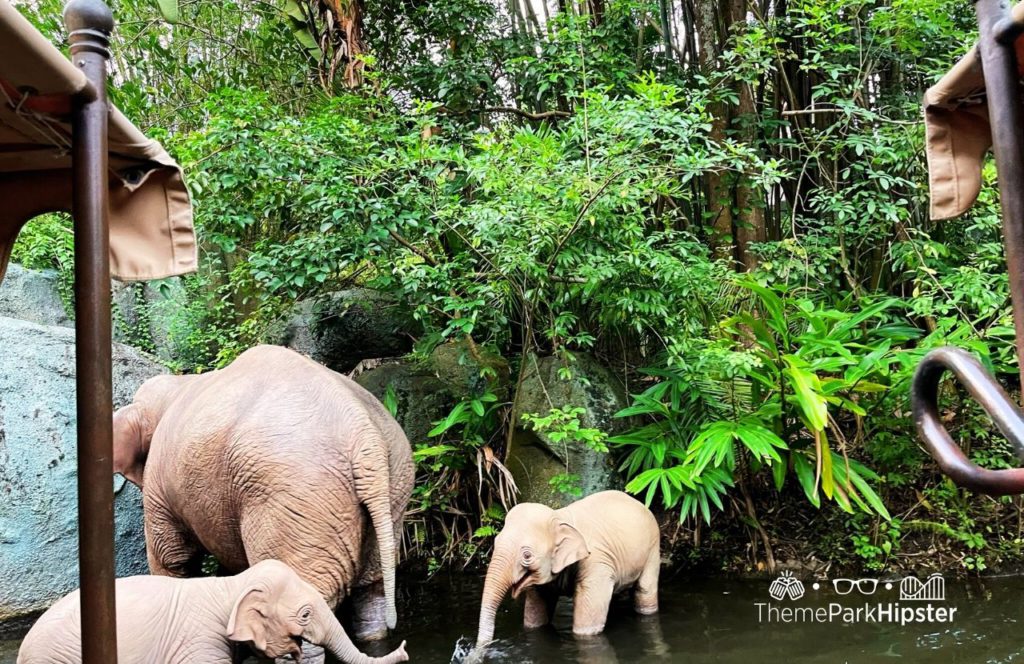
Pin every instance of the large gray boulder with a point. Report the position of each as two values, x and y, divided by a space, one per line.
420 395
33 295
426 391
533 457
341 329
38 478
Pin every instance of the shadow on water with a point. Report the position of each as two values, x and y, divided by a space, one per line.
709 620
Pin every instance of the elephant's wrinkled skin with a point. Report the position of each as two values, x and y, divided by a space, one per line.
589 550
272 457
186 621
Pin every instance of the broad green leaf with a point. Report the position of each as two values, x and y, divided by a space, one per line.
779 471
856 471
773 306
805 475
432 451
813 405
168 10
827 476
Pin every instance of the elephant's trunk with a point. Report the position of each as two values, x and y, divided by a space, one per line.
338 642
499 580
373 486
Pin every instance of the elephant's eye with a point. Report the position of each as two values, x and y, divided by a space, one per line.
527 556
305 614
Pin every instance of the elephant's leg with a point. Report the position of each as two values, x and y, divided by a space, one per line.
645 597
596 649
311 654
170 548
369 617
590 605
540 605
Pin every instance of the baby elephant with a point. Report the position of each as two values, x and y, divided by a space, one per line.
185 621
603 543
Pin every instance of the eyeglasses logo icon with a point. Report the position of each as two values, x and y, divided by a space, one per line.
786 586
863 586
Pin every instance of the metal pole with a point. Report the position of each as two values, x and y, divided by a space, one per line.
90 23
999 64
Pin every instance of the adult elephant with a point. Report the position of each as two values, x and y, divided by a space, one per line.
272 457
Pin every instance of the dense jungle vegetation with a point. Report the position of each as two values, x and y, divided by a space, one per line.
723 200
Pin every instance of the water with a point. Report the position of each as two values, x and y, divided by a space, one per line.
711 620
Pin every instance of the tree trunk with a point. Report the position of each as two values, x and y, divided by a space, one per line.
735 212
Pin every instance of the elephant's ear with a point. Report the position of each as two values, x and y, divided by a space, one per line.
248 622
570 547
130 444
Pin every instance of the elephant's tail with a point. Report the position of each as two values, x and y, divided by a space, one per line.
372 475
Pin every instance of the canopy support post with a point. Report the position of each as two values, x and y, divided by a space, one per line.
999 64
90 23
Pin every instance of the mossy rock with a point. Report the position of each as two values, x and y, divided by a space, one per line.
427 391
341 329
422 397
533 458
470 369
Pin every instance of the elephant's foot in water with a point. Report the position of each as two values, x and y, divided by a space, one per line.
539 607
311 654
369 614
595 649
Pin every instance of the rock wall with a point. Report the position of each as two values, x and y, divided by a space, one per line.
38 476
33 295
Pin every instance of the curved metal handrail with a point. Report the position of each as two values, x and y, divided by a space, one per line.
924 392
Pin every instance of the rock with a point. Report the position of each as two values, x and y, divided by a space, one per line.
470 370
33 295
533 458
341 329
421 396
38 478
427 391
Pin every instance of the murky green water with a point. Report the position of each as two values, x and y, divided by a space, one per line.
710 620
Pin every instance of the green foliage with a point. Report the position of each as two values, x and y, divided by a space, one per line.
554 184
47 243
563 426
874 542
788 367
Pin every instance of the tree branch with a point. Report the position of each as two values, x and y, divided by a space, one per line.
526 114
413 248
509 109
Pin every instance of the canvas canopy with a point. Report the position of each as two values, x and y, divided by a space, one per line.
151 234
958 133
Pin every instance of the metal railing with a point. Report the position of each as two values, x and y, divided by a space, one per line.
998 31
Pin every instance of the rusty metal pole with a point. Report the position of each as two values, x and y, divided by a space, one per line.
89 24
1002 82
